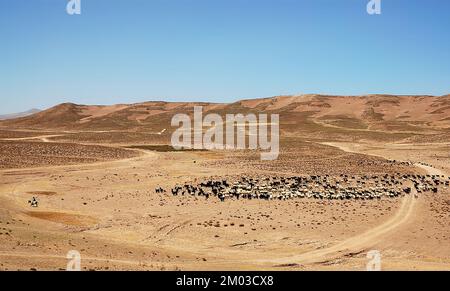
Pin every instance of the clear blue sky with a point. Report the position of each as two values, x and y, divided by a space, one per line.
218 50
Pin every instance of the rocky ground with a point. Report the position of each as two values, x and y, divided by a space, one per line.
101 201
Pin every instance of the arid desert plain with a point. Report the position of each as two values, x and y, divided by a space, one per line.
94 171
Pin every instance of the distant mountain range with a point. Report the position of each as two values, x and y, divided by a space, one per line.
20 114
298 114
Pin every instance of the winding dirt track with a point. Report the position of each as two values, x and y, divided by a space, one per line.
43 138
358 243
49 256
363 241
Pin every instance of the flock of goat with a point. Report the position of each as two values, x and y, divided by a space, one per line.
319 187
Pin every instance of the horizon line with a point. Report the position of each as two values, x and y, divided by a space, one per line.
231 102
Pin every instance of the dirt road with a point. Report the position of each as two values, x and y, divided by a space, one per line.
364 241
359 243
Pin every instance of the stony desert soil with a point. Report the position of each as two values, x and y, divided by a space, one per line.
94 171
109 212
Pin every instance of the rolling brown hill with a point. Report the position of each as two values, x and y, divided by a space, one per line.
302 113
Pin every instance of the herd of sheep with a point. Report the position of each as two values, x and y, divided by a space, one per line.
318 187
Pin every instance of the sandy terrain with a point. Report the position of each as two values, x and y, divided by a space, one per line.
96 193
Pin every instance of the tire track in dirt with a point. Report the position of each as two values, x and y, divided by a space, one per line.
358 243
49 256
363 241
